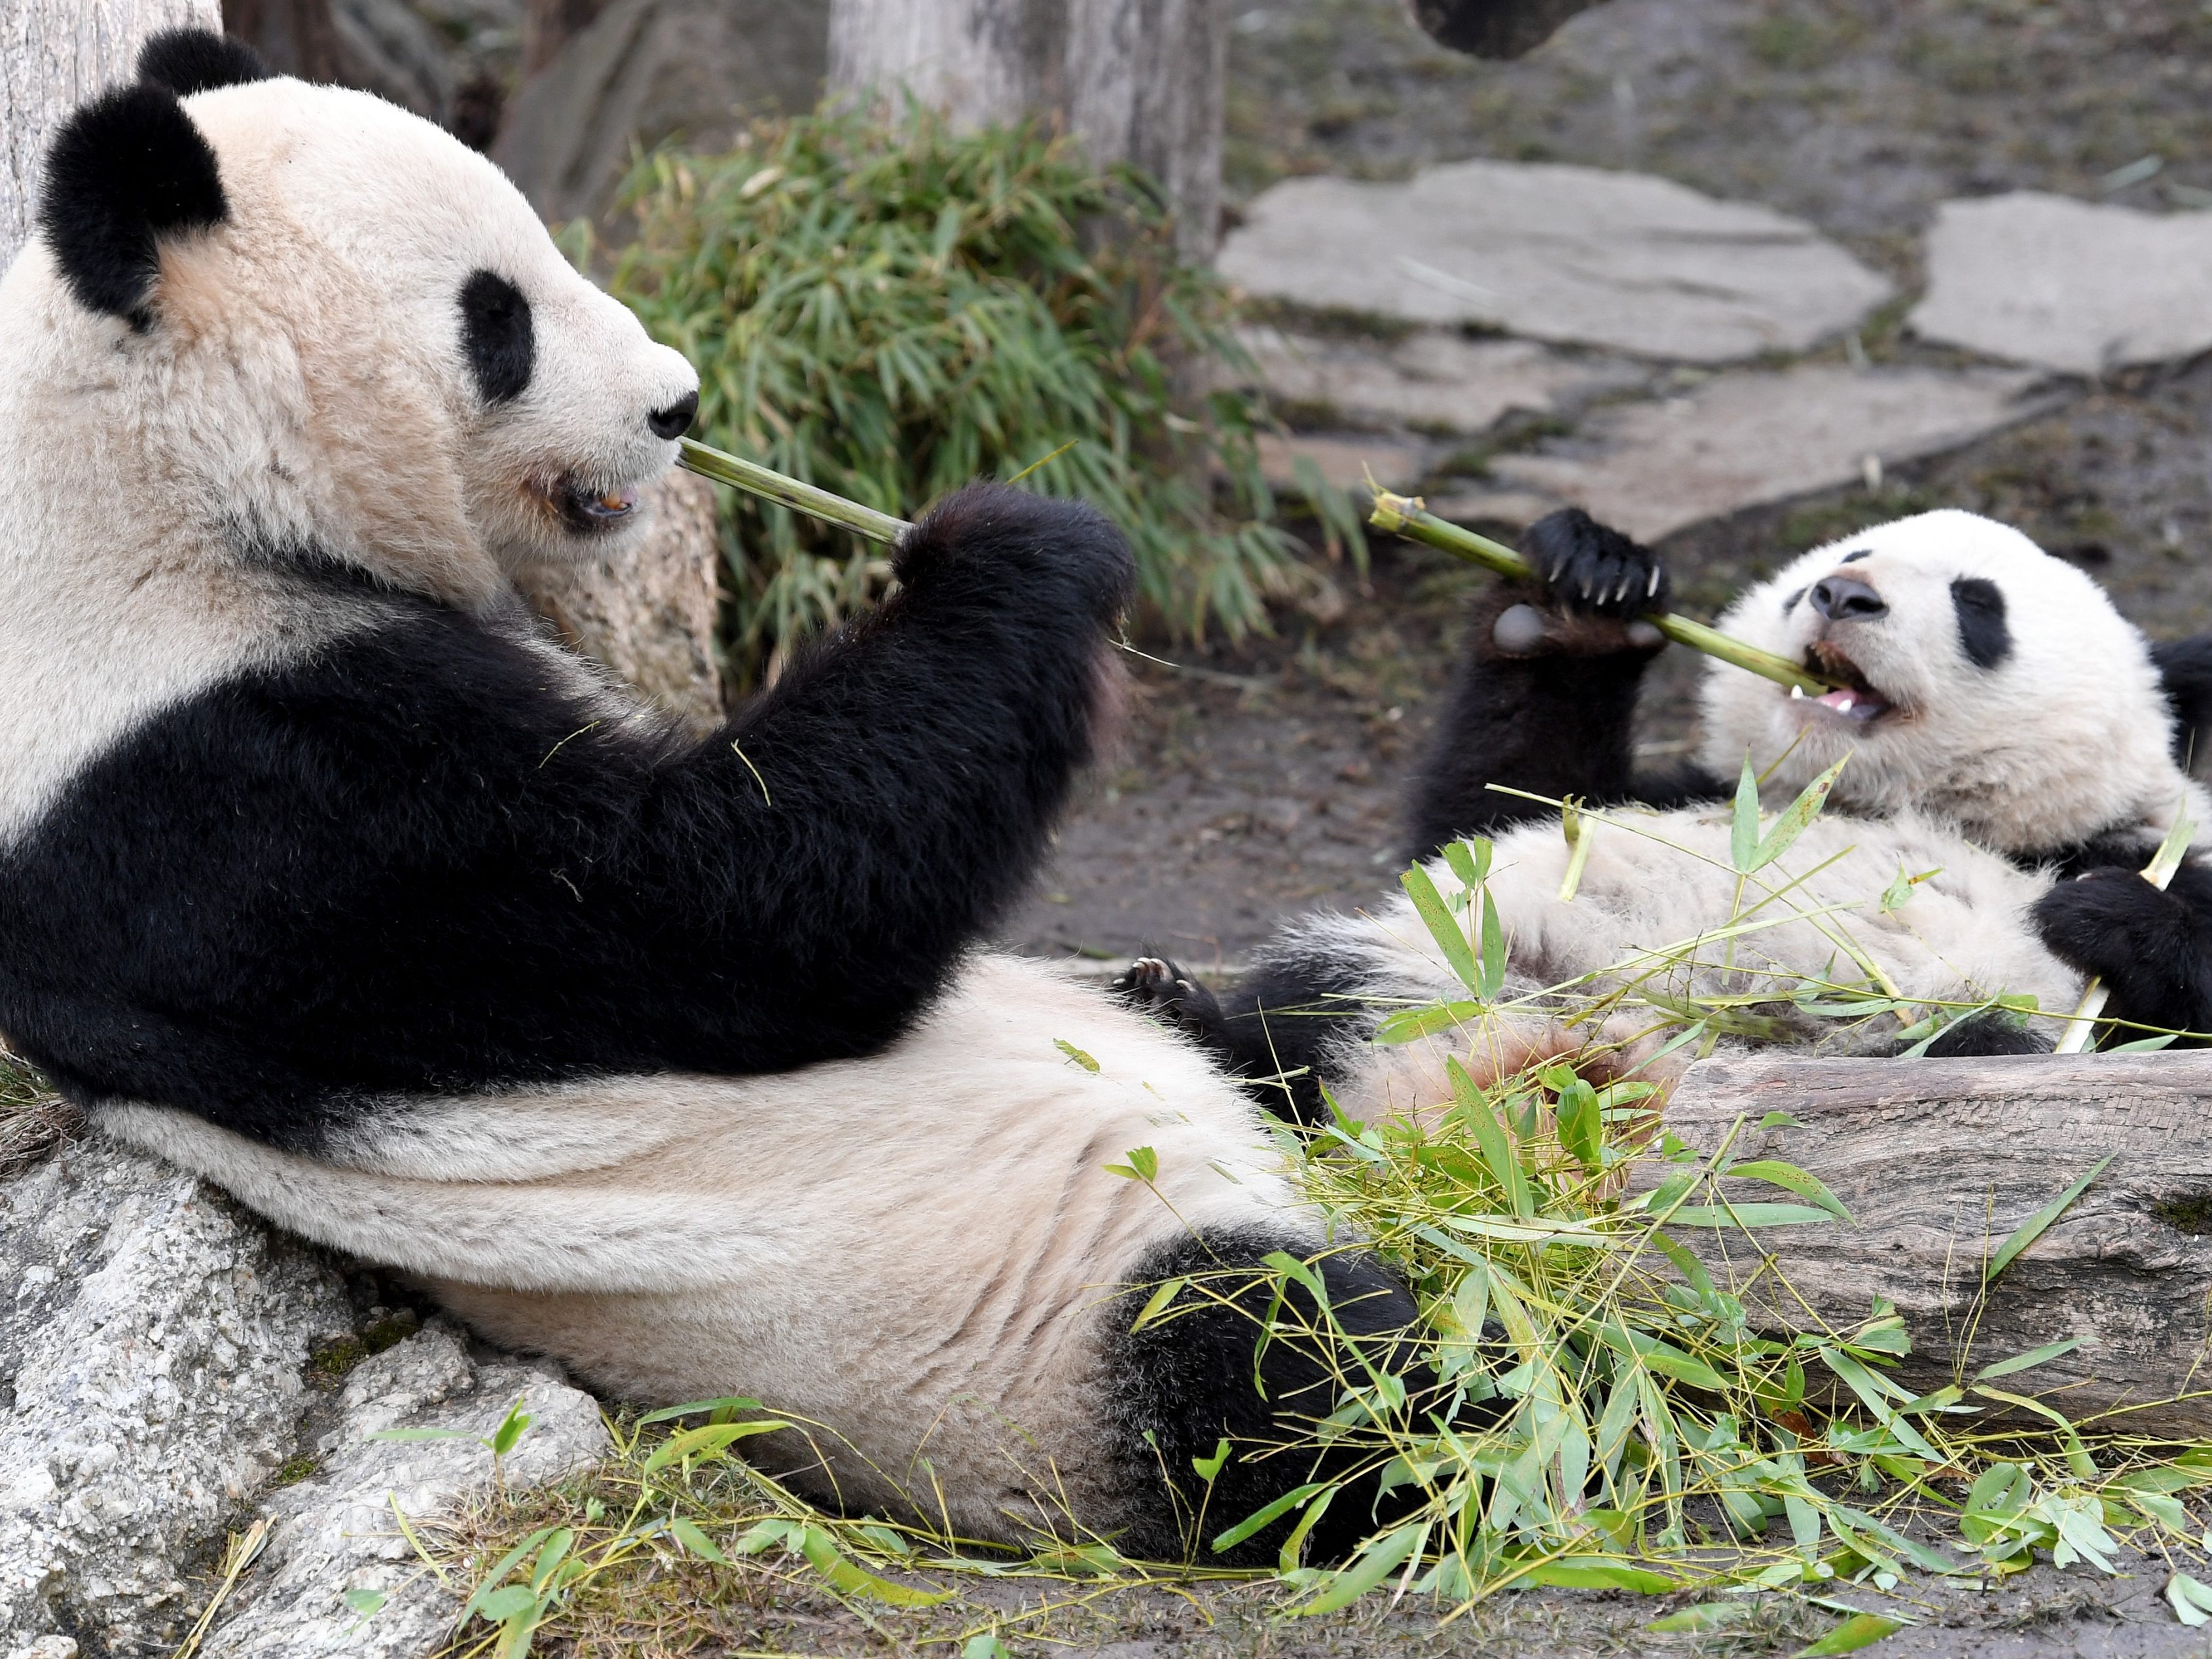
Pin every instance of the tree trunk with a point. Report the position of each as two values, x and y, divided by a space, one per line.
549 25
54 54
1939 1163
1134 80
296 37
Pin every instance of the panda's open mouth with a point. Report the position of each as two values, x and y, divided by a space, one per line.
588 510
1856 700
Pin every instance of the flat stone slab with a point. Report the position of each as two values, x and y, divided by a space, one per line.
1570 254
1744 439
2075 286
1347 460
1433 378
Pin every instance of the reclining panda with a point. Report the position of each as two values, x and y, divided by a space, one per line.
2006 729
325 875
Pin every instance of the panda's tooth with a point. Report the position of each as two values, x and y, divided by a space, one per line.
1797 691
1651 587
1844 704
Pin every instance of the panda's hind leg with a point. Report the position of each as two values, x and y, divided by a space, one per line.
1205 1369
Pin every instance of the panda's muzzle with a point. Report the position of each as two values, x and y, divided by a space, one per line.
1856 700
590 511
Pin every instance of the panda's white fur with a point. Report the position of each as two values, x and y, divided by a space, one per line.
923 1270
2067 739
304 388
325 876
1974 773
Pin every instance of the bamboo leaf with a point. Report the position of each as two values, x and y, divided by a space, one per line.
1444 928
1861 1630
2037 1224
1796 818
1792 1179
1743 822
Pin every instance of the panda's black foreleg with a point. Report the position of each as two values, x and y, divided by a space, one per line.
1543 698
1277 1030
2153 949
1202 1374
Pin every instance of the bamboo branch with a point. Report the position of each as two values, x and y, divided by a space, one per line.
1407 515
755 479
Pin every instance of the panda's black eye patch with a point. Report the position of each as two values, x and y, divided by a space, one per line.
1790 603
496 334
1981 630
1853 558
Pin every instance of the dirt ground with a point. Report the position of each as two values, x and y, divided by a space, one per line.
1264 777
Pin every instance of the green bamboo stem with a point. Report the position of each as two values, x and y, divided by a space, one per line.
755 479
1406 515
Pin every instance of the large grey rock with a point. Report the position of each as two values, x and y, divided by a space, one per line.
1560 253
650 70
2070 285
155 1372
1431 378
649 613
152 1339
1745 438
335 1533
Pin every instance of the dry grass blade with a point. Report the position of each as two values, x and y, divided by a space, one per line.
243 1550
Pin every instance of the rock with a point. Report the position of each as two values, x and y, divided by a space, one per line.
1346 460
649 613
1568 254
1745 438
2070 285
152 1339
334 1533
1431 377
647 70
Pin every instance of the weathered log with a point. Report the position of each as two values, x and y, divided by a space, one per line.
1939 1162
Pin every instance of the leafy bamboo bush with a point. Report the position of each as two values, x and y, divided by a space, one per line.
1616 1417
889 309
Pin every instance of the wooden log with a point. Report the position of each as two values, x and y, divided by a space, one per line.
1939 1162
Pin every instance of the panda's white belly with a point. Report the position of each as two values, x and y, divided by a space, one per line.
1660 908
911 1250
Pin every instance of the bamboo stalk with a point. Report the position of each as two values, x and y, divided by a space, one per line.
2158 872
1407 515
755 479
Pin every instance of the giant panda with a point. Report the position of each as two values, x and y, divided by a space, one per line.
2005 728
324 874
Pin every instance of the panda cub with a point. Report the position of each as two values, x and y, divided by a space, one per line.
325 874
2006 731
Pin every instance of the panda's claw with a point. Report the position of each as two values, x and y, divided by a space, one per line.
1158 987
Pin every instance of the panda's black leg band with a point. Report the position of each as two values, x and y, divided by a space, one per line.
1200 1373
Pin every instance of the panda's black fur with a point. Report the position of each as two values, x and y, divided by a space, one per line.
325 874
245 908
1543 700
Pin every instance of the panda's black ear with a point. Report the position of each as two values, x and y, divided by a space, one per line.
126 170
187 61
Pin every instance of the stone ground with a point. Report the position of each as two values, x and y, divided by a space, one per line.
1263 776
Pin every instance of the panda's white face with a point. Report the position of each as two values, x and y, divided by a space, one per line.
379 351
1988 683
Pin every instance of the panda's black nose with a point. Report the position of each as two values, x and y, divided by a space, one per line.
674 420
1842 600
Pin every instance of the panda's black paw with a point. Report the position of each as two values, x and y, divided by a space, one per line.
1987 1034
1157 987
1006 542
1596 584
2142 943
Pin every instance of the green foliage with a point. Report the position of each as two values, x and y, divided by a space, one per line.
888 310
